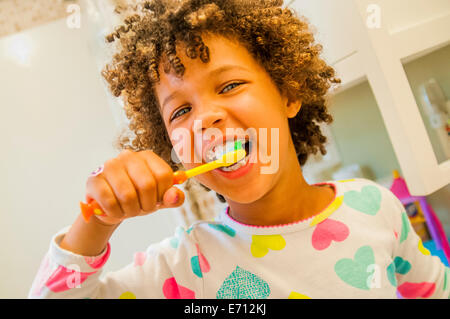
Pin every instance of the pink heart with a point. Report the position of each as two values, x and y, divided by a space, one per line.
203 262
172 290
97 262
64 279
413 290
139 258
327 231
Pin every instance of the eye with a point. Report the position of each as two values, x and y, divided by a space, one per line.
234 83
184 110
180 112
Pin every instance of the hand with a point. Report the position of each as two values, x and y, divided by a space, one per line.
133 184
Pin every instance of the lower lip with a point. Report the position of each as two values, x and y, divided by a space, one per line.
237 173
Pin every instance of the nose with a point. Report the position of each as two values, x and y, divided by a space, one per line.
208 125
209 117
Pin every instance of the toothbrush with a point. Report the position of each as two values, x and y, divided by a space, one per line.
229 158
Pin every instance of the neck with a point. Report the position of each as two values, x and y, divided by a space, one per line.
291 199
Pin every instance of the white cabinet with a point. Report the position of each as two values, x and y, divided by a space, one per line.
371 40
403 14
334 23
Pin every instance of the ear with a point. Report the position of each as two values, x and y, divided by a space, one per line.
292 108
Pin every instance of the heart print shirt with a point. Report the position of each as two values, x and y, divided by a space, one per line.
362 245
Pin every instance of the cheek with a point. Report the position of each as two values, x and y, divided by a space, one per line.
272 133
262 101
182 143
261 112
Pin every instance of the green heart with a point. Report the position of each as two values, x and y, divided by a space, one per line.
405 227
242 284
355 272
224 228
402 266
175 240
446 278
399 266
367 201
391 274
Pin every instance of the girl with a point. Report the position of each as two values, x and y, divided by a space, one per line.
200 65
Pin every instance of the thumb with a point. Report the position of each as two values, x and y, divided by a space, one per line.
173 197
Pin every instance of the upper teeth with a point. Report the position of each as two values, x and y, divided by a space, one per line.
219 150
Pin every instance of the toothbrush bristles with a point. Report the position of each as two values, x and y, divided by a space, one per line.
237 145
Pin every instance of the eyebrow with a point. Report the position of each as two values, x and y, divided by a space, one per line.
215 72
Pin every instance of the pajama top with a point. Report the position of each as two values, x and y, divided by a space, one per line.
362 245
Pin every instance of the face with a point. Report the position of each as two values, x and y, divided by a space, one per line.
230 97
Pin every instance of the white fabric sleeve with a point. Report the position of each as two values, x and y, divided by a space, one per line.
162 271
418 274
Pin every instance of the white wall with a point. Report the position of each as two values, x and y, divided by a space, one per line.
56 126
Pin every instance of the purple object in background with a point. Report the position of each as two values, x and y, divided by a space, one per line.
400 189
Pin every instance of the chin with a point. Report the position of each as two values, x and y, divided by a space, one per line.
251 193
244 191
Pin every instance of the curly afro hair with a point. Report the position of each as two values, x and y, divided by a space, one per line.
277 38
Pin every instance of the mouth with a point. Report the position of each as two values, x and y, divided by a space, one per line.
219 150
247 147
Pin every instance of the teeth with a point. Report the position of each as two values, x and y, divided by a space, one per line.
219 150
210 156
236 166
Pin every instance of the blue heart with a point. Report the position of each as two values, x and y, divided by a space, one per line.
402 266
391 274
368 201
174 241
405 227
195 265
355 271
224 228
242 284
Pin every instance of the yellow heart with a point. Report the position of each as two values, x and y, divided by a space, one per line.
262 243
422 249
296 295
328 211
127 295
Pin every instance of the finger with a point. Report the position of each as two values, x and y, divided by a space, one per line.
117 177
162 172
143 181
174 197
97 188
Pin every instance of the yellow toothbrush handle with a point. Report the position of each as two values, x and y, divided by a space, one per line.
226 160
202 169
180 177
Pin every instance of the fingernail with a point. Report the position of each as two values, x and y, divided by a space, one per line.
175 199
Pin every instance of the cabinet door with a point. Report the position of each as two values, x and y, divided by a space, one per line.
334 23
380 49
399 15
416 26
